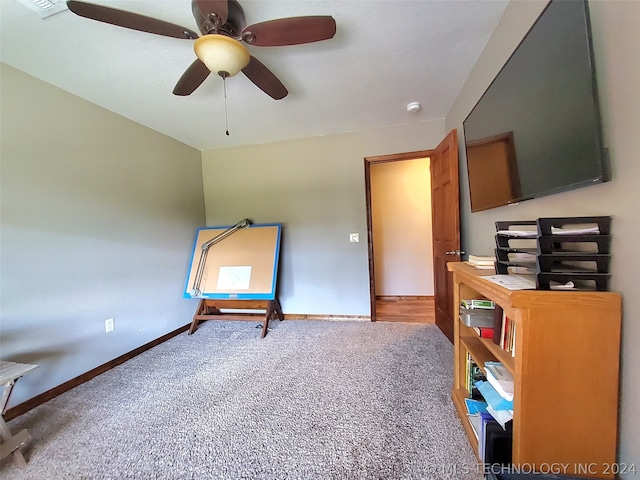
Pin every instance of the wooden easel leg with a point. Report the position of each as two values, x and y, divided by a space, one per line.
273 309
267 317
195 321
278 309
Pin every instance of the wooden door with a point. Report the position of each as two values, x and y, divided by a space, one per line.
445 208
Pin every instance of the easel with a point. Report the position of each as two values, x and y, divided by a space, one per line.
212 310
235 276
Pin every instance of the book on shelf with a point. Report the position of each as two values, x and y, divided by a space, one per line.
484 332
497 324
500 378
507 338
474 373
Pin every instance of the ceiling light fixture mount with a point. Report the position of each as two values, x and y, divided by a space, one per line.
414 107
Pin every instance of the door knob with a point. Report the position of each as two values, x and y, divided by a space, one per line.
455 252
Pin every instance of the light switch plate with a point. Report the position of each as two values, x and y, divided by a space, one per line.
354 237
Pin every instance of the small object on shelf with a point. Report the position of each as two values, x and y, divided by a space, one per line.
484 332
475 406
501 416
482 261
478 303
492 397
513 282
476 317
500 378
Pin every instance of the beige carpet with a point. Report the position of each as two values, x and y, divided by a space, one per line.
312 400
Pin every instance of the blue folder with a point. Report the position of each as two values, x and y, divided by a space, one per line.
492 397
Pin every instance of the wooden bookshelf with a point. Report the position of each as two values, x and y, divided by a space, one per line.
565 370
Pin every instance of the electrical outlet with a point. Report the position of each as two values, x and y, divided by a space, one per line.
109 325
354 237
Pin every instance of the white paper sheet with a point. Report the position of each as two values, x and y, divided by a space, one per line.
234 278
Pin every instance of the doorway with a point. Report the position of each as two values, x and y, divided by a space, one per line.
401 240
445 209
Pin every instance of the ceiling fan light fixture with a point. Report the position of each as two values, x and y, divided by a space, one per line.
221 54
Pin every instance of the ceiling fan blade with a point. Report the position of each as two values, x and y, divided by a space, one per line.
264 79
130 20
202 9
191 79
290 31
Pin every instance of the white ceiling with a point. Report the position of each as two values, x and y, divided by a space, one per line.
385 55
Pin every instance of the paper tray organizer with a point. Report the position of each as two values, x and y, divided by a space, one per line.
555 254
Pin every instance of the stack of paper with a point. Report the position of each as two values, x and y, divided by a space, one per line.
500 378
513 282
575 231
481 261
519 233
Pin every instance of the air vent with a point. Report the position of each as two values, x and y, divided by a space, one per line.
45 8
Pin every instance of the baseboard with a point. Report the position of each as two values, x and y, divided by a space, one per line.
334 318
396 298
24 407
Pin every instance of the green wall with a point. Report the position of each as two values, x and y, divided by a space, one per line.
97 221
315 187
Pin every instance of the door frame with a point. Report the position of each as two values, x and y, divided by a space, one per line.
368 162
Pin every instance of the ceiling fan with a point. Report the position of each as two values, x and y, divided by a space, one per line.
220 49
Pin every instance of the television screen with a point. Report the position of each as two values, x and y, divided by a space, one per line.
537 130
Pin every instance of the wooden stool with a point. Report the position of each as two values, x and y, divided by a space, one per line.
9 374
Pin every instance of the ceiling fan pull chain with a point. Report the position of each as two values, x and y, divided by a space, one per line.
226 117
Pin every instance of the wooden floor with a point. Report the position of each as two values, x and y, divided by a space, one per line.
409 309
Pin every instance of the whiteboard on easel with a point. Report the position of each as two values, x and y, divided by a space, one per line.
243 265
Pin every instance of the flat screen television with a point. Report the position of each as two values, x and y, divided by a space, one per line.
537 130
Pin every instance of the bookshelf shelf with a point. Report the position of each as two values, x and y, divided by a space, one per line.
478 350
565 370
500 354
